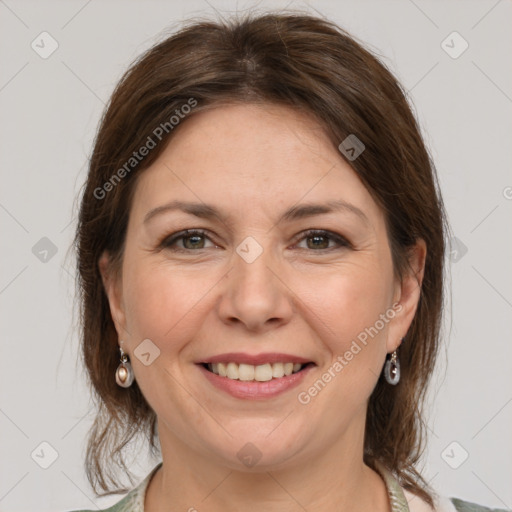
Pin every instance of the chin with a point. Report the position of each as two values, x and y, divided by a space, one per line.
259 451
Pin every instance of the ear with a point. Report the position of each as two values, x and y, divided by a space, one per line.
112 282
407 295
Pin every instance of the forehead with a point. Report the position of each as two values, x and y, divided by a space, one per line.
248 156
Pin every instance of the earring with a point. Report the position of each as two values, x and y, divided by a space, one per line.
392 370
124 372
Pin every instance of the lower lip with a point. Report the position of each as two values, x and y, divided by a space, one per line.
253 389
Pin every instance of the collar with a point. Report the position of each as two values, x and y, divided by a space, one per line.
396 494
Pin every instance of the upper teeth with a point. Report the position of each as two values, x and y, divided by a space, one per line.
261 373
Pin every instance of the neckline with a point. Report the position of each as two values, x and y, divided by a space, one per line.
143 487
395 492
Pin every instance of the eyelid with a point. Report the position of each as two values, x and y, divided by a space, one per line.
331 235
170 240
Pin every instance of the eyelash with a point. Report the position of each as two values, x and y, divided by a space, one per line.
167 243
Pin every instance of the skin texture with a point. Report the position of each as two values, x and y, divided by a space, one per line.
252 163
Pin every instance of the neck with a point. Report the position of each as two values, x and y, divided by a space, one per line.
336 479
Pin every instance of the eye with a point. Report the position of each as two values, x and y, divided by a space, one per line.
190 239
194 239
319 239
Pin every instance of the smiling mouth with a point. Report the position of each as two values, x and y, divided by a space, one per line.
259 373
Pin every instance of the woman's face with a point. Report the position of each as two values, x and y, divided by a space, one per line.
254 287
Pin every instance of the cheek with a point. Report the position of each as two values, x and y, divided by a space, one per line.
343 314
355 342
349 300
160 301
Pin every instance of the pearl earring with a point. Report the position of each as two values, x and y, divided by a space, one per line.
124 372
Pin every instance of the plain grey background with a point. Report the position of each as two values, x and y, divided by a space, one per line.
51 105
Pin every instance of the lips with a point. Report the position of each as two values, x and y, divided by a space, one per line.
255 376
255 359
260 367
254 389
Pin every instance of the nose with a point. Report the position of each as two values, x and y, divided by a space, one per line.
256 295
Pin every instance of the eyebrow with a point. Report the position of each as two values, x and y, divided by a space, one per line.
300 211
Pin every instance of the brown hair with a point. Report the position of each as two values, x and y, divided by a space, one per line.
308 64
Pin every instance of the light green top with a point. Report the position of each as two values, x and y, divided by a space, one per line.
134 500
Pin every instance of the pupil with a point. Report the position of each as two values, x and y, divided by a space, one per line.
320 238
195 238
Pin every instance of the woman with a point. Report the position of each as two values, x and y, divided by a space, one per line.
260 252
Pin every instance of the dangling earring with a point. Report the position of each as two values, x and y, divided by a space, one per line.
392 369
124 372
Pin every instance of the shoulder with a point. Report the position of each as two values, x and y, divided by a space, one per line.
133 501
466 506
124 505
445 504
